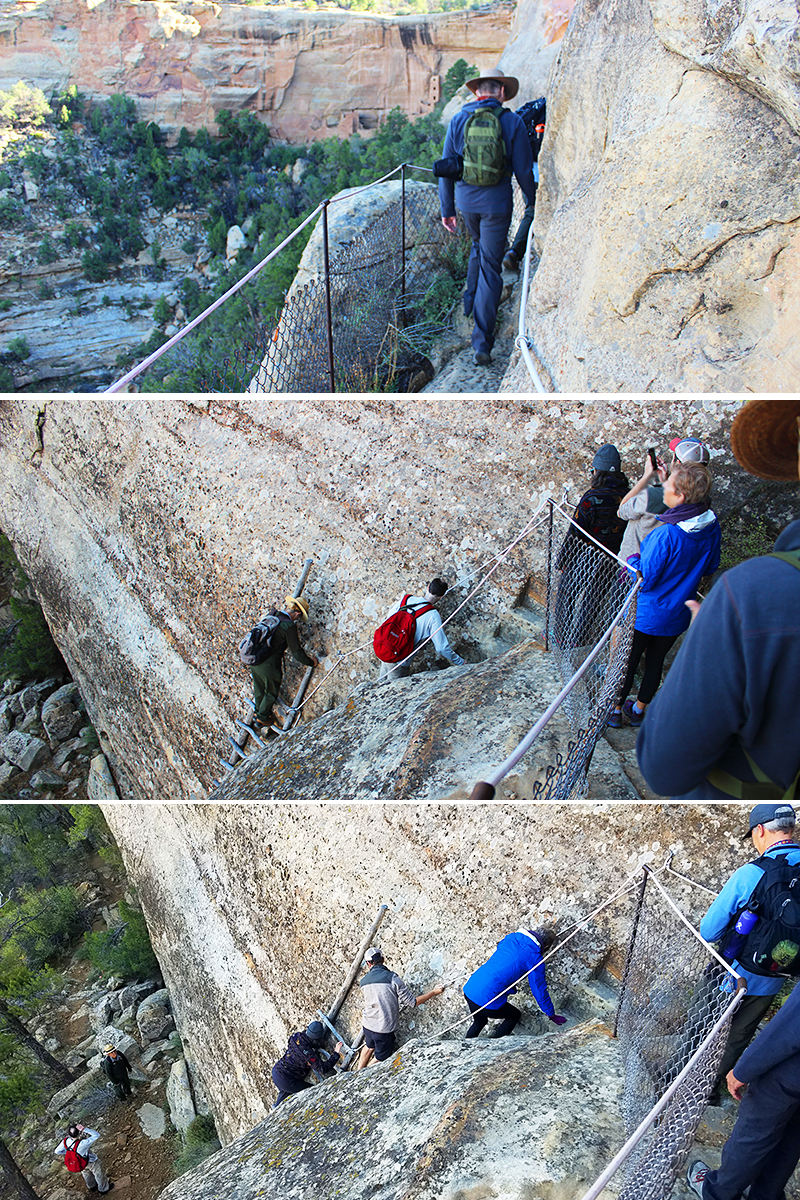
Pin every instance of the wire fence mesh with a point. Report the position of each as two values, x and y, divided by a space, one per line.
674 991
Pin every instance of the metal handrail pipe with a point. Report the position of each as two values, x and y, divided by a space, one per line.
521 340
335 1008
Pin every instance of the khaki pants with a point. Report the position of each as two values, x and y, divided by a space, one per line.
94 1176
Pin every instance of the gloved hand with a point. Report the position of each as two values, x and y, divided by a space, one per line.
558 1020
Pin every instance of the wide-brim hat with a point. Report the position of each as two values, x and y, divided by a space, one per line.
765 437
299 603
510 84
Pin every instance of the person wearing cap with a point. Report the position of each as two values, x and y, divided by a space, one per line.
763 1149
384 994
595 515
488 988
428 627
303 1054
644 503
81 1138
673 559
268 675
771 829
116 1067
486 210
730 698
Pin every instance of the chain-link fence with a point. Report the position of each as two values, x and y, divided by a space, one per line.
676 1003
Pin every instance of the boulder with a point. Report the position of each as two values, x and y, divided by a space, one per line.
31 190
153 1121
100 787
24 751
45 780
7 770
119 1038
60 716
63 1102
102 1013
6 717
128 996
154 1017
179 1096
29 699
236 241
14 704
67 751
154 1051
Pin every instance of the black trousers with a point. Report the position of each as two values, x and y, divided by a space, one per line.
507 1015
764 1148
655 649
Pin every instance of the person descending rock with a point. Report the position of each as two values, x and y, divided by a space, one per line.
76 1147
268 674
303 1054
533 115
488 988
485 144
116 1067
425 623
384 995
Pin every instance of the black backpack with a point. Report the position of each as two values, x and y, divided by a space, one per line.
534 115
773 945
256 646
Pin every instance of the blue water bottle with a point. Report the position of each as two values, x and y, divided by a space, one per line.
735 943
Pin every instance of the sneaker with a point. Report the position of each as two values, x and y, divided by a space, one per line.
511 262
634 718
482 359
695 1177
614 720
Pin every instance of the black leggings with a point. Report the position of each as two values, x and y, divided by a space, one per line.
508 1015
655 649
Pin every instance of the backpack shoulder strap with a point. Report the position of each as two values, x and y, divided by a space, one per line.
762 788
792 557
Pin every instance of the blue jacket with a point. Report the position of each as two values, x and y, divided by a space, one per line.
498 199
733 685
778 1042
516 954
734 895
673 559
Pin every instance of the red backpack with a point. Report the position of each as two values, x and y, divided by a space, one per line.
72 1160
394 639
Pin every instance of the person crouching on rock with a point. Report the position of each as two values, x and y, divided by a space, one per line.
80 1158
487 989
303 1054
116 1067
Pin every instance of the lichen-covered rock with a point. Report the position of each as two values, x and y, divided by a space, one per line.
517 1117
179 1096
67 1097
153 1016
23 750
60 716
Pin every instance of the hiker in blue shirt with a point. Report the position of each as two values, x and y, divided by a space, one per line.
486 209
771 828
488 988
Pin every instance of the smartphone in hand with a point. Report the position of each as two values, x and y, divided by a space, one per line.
652 453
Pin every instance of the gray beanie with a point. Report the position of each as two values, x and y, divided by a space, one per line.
607 459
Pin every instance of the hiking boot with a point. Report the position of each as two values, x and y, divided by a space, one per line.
695 1177
511 262
635 719
482 359
614 720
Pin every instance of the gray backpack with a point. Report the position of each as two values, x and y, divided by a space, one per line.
257 644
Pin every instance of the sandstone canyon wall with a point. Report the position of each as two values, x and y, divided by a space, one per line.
156 528
667 215
308 75
256 912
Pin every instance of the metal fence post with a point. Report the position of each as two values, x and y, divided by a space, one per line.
549 576
631 944
403 235
327 264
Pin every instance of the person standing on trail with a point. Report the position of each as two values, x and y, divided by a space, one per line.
644 503
268 675
116 1067
303 1054
427 625
730 699
488 988
763 1150
673 559
79 1157
485 144
384 994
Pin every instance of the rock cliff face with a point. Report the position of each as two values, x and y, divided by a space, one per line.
155 529
667 215
309 75
256 911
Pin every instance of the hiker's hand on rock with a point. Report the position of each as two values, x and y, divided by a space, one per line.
437 991
450 224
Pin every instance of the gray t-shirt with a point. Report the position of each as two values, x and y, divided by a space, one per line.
642 514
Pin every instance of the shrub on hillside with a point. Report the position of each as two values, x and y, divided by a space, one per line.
124 951
200 1142
23 105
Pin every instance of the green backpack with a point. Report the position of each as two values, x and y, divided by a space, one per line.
484 148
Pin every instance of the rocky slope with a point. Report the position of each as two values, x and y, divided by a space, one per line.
309 75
